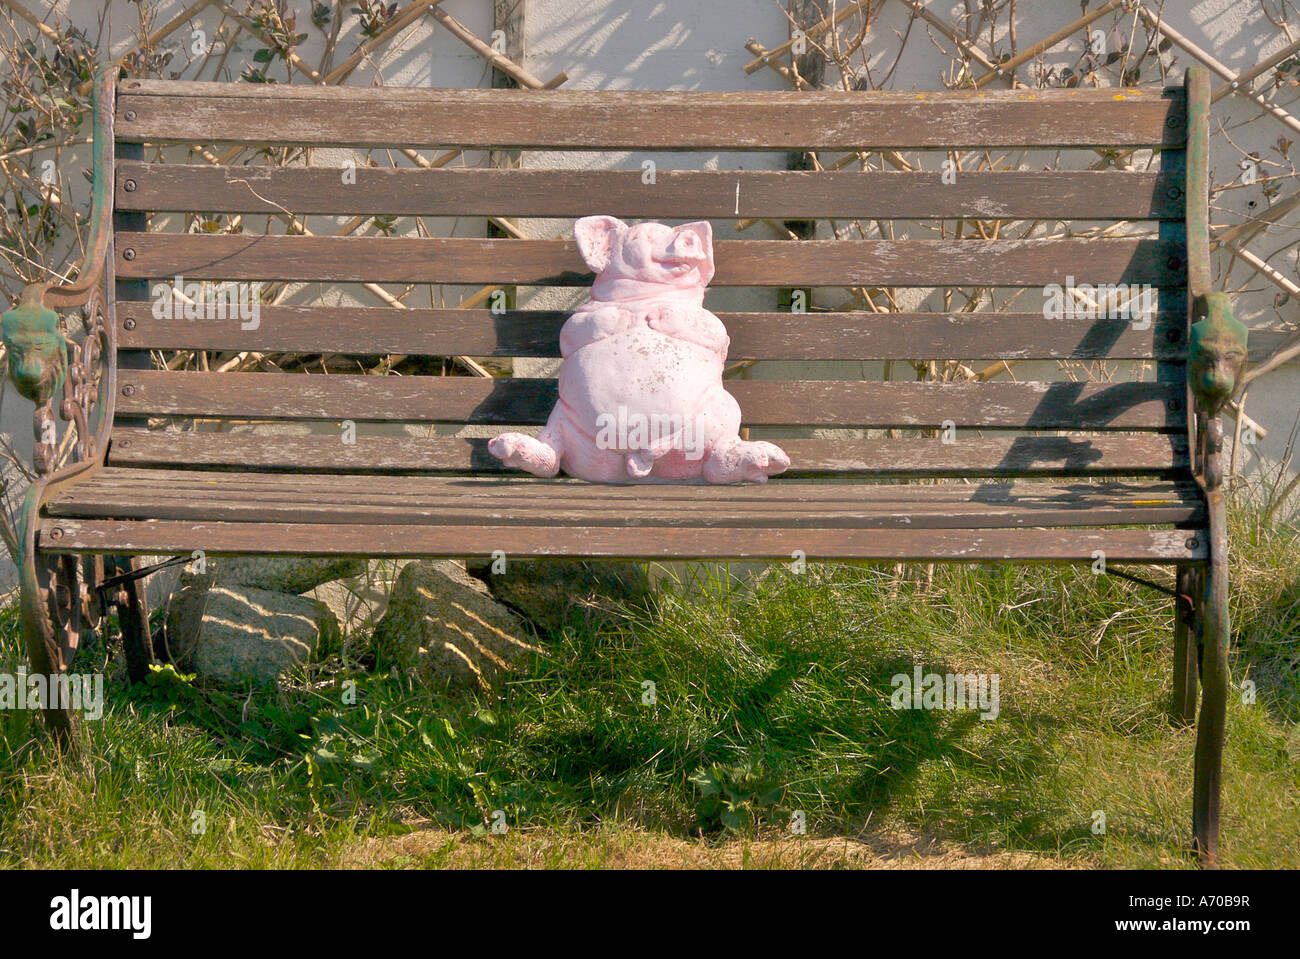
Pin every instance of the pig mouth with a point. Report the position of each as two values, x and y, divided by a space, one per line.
679 267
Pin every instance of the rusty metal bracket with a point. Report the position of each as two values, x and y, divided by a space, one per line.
139 573
1151 583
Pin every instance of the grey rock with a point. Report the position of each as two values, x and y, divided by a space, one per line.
236 634
695 578
443 626
553 593
160 585
282 574
359 602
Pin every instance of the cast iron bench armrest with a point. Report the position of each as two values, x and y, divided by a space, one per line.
44 363
38 351
1217 342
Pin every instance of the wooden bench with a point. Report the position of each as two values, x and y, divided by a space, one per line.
1069 472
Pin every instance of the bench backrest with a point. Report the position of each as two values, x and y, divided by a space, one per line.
1119 427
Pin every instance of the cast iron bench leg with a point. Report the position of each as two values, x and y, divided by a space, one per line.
47 583
133 618
1214 629
1186 666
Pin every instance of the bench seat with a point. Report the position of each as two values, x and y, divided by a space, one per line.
164 510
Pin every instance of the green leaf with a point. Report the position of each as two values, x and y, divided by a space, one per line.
429 731
734 819
422 727
263 56
706 782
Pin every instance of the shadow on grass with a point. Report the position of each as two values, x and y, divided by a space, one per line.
848 757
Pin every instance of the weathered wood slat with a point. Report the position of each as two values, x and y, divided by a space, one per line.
156 494
151 110
529 494
1112 455
792 517
1159 262
543 493
1049 545
678 194
756 336
1030 405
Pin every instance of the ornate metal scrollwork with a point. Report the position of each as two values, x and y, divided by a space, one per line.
45 362
81 392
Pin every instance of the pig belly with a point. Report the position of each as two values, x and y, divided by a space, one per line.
642 371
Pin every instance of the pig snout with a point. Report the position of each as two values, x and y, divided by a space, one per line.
685 246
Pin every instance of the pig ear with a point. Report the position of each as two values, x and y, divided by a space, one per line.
704 230
595 236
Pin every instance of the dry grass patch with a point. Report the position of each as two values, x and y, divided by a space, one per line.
633 848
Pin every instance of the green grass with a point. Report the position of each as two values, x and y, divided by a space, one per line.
770 699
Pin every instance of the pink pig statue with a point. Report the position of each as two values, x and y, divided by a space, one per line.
641 396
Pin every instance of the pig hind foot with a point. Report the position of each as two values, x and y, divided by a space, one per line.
537 455
738 460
